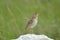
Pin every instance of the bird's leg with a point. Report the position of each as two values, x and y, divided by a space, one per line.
31 31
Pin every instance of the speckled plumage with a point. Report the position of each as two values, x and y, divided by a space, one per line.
32 22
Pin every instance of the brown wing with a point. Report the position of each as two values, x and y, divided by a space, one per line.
29 24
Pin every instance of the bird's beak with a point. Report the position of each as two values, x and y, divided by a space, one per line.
37 14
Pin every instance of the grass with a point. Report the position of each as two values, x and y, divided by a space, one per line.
14 14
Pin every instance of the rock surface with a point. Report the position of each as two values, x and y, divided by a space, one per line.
33 37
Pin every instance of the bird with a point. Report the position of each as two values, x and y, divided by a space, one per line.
32 22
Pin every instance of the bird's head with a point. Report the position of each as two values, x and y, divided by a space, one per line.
35 15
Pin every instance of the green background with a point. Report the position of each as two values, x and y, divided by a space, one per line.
14 15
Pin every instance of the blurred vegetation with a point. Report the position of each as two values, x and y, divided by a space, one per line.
14 15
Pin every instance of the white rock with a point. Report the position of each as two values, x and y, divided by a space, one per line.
33 37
